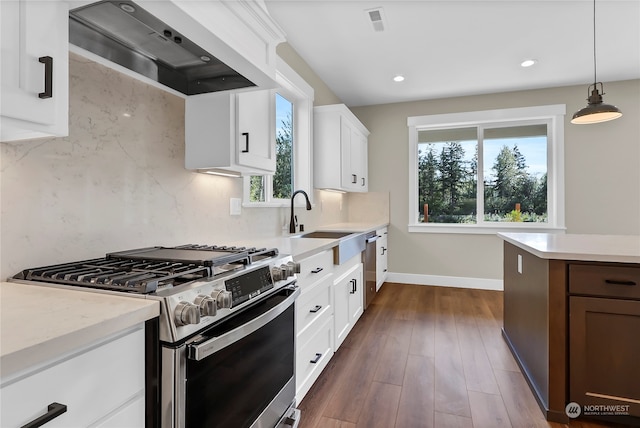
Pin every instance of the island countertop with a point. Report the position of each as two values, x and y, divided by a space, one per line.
597 248
41 323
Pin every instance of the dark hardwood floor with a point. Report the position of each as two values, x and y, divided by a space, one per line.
423 357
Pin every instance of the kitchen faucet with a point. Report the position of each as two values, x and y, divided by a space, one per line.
292 223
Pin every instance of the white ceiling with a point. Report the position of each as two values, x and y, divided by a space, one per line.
455 48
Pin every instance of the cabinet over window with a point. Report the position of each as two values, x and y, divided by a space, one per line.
231 131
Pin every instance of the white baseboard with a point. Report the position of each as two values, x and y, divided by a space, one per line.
446 281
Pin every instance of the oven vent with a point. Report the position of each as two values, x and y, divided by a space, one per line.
376 17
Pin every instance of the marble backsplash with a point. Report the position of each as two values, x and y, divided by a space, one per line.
118 181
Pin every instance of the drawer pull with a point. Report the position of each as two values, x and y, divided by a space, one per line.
317 270
48 77
246 141
316 309
619 282
316 359
53 411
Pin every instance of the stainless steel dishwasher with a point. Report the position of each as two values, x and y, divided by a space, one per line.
369 260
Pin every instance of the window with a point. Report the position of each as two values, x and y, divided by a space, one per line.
293 109
479 172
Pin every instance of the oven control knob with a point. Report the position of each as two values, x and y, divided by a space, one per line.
278 273
187 313
294 266
223 298
208 305
282 272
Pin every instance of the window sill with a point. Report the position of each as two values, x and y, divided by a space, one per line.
274 205
484 229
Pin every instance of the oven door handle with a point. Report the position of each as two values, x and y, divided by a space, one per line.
200 351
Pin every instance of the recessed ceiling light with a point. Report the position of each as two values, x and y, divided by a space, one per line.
528 62
398 78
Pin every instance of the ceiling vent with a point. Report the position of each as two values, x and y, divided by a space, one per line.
376 17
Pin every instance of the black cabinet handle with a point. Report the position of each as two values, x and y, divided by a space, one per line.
316 309
317 270
48 77
316 359
363 181
619 282
53 411
354 179
353 286
383 251
246 139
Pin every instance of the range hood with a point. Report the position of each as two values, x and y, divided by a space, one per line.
125 33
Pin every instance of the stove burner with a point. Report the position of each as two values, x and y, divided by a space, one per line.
146 270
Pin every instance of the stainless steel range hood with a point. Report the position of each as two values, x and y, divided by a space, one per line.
123 32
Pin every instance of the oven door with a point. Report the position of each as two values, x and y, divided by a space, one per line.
239 373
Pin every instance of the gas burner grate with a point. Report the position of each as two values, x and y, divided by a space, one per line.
146 270
133 276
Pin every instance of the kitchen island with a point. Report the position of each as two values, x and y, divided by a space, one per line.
571 320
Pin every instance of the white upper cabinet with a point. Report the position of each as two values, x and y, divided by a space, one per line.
231 131
340 150
35 69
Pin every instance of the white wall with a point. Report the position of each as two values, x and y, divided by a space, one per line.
602 175
119 182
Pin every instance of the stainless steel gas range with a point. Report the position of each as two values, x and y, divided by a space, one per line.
222 353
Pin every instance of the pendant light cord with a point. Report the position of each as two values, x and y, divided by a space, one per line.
595 78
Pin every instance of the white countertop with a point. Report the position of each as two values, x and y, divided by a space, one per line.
601 248
41 323
303 248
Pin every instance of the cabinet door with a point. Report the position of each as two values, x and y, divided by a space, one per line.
353 162
348 173
356 296
604 353
341 321
255 138
381 257
359 160
347 302
34 93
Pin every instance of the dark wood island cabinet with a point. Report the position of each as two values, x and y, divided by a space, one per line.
572 321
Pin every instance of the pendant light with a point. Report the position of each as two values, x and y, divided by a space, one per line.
595 111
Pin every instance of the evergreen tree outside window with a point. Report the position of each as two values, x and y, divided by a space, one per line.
503 171
282 182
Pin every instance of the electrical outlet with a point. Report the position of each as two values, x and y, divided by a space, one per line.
235 206
520 263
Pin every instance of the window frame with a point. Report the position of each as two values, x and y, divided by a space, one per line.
294 88
552 115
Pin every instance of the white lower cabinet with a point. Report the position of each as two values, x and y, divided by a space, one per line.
314 320
347 302
382 257
330 303
101 386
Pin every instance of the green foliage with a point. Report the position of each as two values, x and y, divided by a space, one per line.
448 184
282 179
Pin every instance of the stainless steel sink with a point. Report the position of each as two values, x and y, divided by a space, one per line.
349 245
